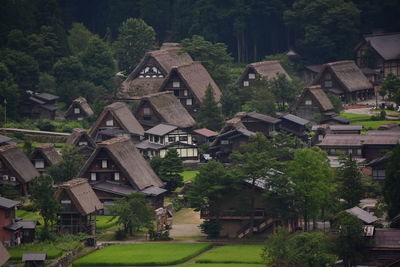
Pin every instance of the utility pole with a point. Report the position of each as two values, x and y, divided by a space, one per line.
5 111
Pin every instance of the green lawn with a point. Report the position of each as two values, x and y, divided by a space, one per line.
148 254
189 175
355 117
30 216
104 222
221 265
371 125
236 253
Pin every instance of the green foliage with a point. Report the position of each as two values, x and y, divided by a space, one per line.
284 90
155 164
159 236
214 56
135 37
8 90
312 179
391 87
234 253
68 167
336 102
261 98
392 185
8 191
47 83
210 115
27 147
44 199
350 243
313 249
170 169
132 213
211 228
78 38
349 177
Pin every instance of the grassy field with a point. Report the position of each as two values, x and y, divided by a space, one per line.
30 216
236 253
189 175
148 254
355 117
220 265
371 125
104 222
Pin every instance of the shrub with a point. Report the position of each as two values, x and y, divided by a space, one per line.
46 235
382 115
45 125
211 228
120 234
159 236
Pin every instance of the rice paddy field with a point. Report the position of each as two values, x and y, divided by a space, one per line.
236 253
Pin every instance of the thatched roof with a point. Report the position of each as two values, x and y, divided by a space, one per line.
358 140
81 194
121 113
387 45
258 116
170 109
47 152
15 159
4 255
266 69
166 58
77 135
83 104
319 95
196 78
348 74
205 132
124 153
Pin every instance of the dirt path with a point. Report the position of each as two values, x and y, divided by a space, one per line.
186 225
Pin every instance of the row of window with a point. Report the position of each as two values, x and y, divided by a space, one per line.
9 178
171 139
251 76
353 151
93 176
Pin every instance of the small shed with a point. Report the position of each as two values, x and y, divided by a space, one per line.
34 259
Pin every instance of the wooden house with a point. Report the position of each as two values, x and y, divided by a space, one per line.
38 105
368 146
323 129
116 169
310 72
382 49
295 125
7 218
79 205
81 139
79 110
203 136
34 259
313 104
378 168
234 216
163 107
164 136
4 255
264 69
189 84
16 169
345 80
44 156
116 120
257 122
150 73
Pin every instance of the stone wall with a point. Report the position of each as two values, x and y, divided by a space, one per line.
66 260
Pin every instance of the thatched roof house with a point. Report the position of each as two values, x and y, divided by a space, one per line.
189 83
16 167
81 139
117 168
115 120
79 109
44 156
265 69
149 74
346 80
163 107
313 101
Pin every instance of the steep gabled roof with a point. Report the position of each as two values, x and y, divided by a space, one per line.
124 153
319 95
123 115
48 152
170 109
259 116
15 159
387 45
82 102
196 78
76 135
81 194
167 57
295 119
266 69
348 74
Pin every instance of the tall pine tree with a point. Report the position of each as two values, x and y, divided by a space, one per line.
210 115
170 168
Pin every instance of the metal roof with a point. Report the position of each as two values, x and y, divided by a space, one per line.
161 129
8 203
34 257
363 215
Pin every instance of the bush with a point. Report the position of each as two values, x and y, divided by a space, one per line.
159 236
46 235
382 115
27 207
120 234
211 228
45 125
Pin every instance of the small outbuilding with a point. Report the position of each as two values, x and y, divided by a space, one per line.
34 259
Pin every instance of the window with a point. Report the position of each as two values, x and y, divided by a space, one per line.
185 92
328 84
146 111
156 139
39 164
308 102
252 76
359 151
176 92
5 177
93 176
77 110
176 84
12 179
246 83
65 201
83 143
378 174
332 151
224 142
189 102
80 119
183 138
320 137
104 163
116 176
171 139
110 123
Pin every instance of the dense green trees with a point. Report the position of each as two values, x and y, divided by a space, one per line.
391 189
9 92
210 115
170 169
67 169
